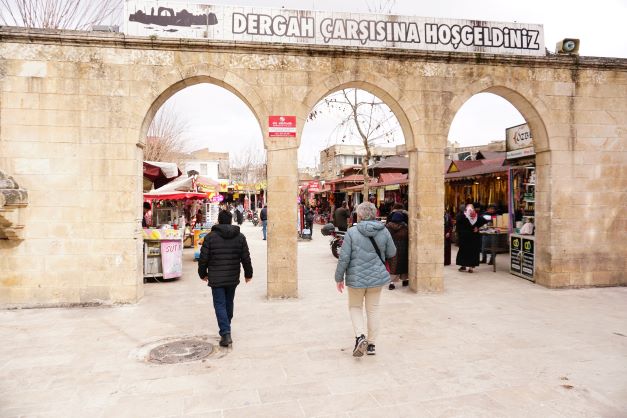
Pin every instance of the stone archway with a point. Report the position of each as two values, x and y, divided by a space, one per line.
74 107
423 271
533 115
236 86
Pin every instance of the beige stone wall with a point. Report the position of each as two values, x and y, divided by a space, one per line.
74 110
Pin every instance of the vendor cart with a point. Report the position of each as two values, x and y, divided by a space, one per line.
163 253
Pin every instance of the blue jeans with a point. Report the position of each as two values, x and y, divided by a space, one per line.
264 227
223 305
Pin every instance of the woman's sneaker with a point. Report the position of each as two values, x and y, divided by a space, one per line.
361 345
371 351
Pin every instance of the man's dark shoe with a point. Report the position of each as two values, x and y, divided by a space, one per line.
371 350
405 283
361 344
226 340
391 286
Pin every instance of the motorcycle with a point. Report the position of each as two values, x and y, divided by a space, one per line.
337 240
255 219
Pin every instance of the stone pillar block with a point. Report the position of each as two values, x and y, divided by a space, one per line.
282 243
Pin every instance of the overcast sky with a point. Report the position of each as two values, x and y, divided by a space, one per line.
222 122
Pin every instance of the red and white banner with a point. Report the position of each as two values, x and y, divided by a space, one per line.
282 126
313 187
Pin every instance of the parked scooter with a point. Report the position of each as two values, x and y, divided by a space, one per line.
337 238
255 219
336 242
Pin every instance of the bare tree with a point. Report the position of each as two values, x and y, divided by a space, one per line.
60 14
362 116
166 136
381 6
249 167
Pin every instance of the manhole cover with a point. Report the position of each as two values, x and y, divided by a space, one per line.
180 351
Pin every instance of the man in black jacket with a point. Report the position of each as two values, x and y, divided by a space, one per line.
219 265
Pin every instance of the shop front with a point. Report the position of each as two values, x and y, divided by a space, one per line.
484 184
167 230
522 186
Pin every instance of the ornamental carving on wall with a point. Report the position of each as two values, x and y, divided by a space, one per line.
12 200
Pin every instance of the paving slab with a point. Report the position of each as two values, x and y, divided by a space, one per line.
491 344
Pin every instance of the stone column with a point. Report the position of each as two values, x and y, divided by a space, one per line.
282 239
426 204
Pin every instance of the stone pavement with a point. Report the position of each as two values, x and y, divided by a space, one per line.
490 345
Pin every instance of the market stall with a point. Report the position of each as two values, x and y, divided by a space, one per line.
484 182
163 253
164 237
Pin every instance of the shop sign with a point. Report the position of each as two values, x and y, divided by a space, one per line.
522 256
518 141
528 258
282 126
313 187
519 153
217 198
254 24
172 259
393 187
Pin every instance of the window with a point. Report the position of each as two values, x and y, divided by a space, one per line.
203 169
357 160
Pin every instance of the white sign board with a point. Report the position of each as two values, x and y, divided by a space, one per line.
518 141
253 24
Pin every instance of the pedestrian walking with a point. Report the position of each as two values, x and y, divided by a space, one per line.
361 267
219 265
309 219
399 264
340 217
469 239
263 215
398 207
240 214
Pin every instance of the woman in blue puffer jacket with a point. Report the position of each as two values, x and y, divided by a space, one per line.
364 272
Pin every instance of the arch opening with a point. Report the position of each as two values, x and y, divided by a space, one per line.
346 155
215 141
497 161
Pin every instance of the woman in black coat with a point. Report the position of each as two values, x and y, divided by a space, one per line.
467 226
399 264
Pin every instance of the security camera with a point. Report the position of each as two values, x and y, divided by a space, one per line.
567 46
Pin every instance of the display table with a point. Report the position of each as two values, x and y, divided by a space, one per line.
163 253
522 256
497 243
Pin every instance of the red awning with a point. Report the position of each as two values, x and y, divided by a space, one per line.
353 178
173 196
160 173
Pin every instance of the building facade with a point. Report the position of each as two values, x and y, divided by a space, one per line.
336 158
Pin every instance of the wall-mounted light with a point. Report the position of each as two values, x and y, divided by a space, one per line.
498 178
